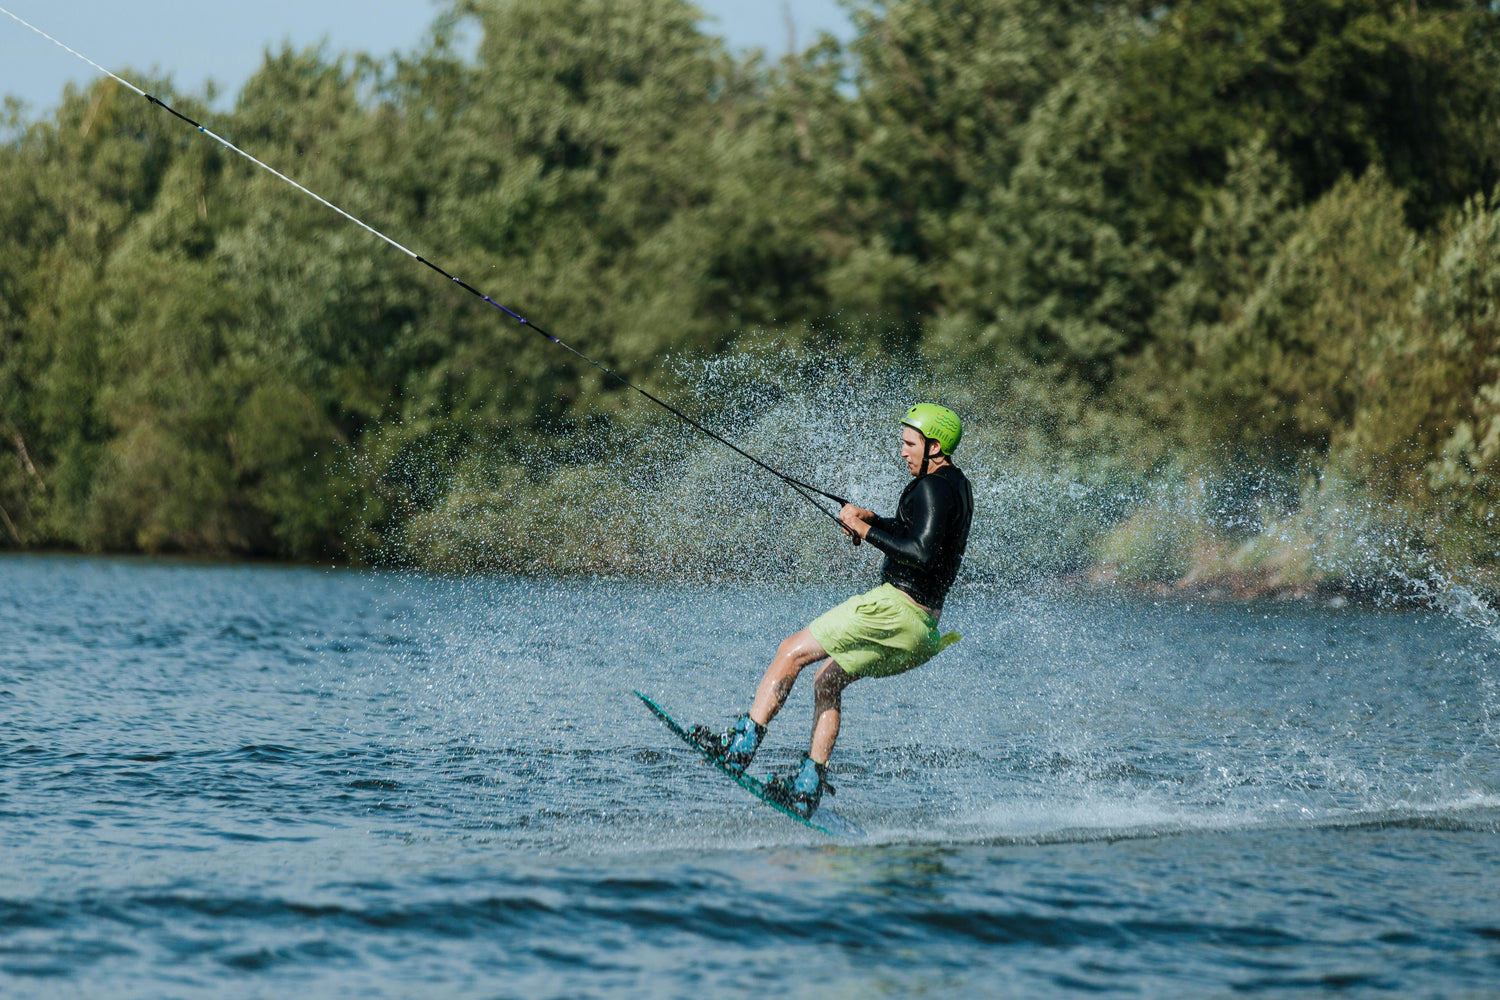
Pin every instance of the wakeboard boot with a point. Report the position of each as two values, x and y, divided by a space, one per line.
735 747
802 790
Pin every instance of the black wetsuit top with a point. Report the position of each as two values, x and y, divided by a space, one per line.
924 543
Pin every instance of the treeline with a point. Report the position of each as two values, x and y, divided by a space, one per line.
1248 248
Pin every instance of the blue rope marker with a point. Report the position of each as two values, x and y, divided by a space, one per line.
803 489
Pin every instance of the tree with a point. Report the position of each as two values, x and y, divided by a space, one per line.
1337 86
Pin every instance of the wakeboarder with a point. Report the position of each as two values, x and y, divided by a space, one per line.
885 632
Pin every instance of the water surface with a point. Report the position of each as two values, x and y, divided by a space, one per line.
258 781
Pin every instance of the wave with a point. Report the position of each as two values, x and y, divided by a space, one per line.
1017 822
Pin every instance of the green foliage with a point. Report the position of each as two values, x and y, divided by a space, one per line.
1338 86
1287 372
1453 384
1059 271
1185 258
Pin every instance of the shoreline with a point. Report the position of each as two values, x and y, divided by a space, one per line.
1100 580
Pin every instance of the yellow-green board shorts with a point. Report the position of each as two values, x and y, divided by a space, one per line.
879 634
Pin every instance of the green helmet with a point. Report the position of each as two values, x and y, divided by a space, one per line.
936 422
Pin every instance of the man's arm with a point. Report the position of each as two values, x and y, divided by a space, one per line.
930 508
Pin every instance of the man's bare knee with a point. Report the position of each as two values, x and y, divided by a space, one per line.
788 648
800 649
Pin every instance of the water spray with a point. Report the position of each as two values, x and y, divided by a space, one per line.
805 490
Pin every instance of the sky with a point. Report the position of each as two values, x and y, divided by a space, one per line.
226 44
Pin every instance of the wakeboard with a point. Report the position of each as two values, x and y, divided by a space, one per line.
824 820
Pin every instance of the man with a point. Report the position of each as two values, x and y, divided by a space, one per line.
887 631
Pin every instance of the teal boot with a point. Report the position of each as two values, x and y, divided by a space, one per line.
801 792
734 748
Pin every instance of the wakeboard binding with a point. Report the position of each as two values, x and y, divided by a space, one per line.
735 747
802 790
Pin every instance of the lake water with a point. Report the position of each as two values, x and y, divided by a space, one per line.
269 782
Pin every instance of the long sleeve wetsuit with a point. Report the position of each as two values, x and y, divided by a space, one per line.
924 543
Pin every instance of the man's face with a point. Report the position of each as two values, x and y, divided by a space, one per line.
913 445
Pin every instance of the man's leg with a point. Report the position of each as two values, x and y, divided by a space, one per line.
828 691
803 789
736 748
794 653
